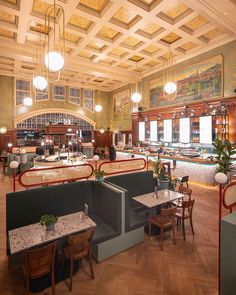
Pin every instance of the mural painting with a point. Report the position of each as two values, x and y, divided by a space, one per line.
202 80
121 106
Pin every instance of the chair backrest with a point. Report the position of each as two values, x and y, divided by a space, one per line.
187 207
185 191
39 261
81 241
169 212
184 179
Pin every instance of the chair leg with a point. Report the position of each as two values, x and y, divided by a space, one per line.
149 231
161 238
183 225
53 281
71 273
91 266
26 291
191 223
173 230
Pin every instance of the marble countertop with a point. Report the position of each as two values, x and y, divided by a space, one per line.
163 196
32 235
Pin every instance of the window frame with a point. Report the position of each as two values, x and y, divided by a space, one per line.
58 85
91 110
80 96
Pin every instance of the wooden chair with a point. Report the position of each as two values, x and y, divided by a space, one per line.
186 192
39 262
164 220
3 164
77 247
185 212
183 180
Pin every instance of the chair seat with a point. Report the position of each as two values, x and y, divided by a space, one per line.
177 203
79 251
161 221
179 213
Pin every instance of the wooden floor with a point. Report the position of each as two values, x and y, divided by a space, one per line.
188 268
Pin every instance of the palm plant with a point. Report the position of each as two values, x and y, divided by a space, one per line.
224 150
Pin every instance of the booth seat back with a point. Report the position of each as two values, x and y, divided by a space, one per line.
133 184
106 203
136 184
26 207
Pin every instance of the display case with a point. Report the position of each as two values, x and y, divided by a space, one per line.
175 130
195 129
220 127
160 130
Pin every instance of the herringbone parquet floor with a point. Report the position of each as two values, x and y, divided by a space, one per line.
188 268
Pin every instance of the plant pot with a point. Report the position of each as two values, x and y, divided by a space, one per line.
163 184
50 227
99 178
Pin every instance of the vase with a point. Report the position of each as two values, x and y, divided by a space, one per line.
99 178
50 227
163 184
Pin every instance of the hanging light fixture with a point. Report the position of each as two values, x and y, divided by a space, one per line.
39 80
27 101
98 107
136 96
170 85
54 59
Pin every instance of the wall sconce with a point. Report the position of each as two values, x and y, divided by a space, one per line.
159 117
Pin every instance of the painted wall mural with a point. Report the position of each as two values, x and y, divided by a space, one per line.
202 80
122 106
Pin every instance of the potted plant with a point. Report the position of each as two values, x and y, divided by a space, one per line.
224 150
99 175
49 221
159 173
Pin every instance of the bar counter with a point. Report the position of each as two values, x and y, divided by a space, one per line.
199 170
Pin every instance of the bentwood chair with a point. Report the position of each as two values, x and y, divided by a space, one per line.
166 219
187 192
185 212
77 247
37 263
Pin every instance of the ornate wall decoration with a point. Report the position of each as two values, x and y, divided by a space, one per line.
122 107
198 81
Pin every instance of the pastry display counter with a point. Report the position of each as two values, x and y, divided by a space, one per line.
199 170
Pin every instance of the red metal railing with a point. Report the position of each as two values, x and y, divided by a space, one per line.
119 166
229 195
52 175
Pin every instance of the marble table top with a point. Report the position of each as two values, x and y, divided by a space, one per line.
32 235
163 196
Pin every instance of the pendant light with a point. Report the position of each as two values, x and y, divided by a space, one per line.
170 86
98 107
39 80
54 59
136 96
27 101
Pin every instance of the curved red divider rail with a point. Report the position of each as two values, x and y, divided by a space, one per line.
124 161
227 190
54 181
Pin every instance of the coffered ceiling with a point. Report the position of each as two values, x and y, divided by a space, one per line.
111 42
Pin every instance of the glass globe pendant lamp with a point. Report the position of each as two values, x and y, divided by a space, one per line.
169 73
98 108
170 87
54 61
28 101
136 97
39 82
55 48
